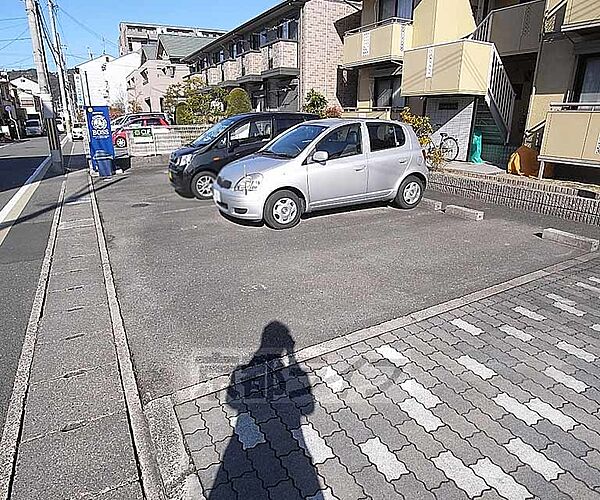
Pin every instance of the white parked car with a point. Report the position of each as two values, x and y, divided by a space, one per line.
33 128
77 132
323 164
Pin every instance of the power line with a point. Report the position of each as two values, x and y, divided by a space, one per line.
92 32
14 39
3 19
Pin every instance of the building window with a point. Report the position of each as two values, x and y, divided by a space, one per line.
395 8
255 41
387 92
288 30
587 88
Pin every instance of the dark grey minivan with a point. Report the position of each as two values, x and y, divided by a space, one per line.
194 168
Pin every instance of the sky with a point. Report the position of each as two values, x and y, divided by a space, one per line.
87 25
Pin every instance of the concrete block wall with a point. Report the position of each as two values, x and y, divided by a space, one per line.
323 24
521 194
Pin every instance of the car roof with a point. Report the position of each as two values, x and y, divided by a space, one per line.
270 113
330 122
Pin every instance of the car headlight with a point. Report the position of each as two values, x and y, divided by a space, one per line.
184 160
249 182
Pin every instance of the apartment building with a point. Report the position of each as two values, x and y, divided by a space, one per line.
564 116
102 81
281 54
503 68
134 36
161 65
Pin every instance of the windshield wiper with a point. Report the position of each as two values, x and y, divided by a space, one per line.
274 154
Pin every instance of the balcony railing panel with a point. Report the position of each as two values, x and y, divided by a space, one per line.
581 14
571 134
515 29
379 42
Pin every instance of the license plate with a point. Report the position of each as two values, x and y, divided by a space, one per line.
216 196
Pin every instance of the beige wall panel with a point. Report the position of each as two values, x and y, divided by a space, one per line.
553 79
564 136
475 68
582 12
592 142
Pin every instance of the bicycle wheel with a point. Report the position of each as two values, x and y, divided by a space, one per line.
449 148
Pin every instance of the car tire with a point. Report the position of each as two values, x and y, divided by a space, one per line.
283 210
201 185
120 142
410 192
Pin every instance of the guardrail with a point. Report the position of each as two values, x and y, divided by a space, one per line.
152 141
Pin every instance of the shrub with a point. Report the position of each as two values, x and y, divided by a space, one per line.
316 103
237 102
333 112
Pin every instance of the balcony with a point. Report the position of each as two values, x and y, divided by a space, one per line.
380 42
232 69
461 67
571 134
214 75
251 67
581 14
515 29
280 59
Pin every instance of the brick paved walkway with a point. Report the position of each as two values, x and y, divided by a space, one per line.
496 399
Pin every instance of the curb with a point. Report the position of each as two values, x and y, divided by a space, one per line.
464 212
16 408
142 441
570 239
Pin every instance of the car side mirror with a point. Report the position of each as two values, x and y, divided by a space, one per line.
320 156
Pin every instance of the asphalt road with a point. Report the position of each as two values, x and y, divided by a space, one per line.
196 289
17 162
21 253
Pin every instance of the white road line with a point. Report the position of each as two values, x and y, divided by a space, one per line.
504 484
576 351
385 461
515 332
467 327
15 206
476 367
463 476
529 313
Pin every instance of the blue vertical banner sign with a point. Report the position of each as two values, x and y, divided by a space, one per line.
102 151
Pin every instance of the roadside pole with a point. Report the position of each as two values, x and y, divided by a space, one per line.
60 67
48 115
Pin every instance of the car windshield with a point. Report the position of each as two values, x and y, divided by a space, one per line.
213 132
291 143
32 123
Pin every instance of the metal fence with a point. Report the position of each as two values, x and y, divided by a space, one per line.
152 141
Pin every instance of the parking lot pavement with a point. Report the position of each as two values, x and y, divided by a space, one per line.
497 398
196 289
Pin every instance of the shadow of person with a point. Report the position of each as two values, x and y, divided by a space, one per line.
267 457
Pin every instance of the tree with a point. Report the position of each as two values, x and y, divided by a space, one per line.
191 102
238 101
316 103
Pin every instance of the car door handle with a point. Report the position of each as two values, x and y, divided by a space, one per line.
359 169
403 160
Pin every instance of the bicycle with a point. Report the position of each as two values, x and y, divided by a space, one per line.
448 147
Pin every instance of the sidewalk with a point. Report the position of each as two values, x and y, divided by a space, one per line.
495 395
75 439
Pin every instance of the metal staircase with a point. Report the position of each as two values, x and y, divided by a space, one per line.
500 97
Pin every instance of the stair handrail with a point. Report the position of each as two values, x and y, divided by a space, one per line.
501 91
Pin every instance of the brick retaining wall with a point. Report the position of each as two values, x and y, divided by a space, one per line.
523 194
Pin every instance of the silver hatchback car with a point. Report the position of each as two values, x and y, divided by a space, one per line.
324 164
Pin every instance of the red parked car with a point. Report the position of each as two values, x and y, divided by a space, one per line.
119 135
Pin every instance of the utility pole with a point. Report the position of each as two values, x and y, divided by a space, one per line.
60 66
39 56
